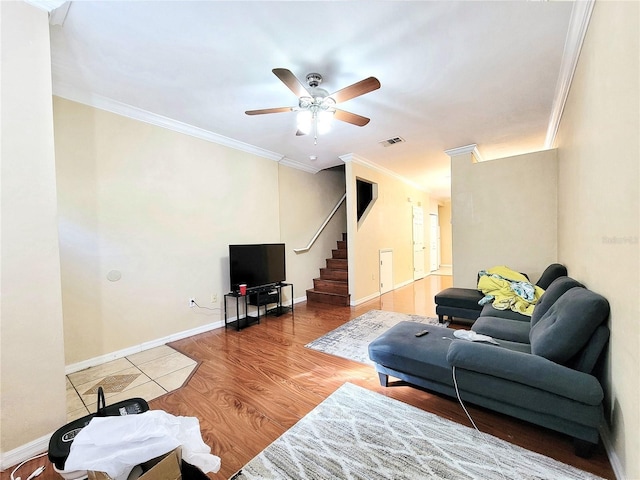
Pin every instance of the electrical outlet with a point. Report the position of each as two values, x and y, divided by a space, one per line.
214 298
192 302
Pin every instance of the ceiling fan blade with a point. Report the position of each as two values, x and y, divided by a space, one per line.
352 118
290 80
300 133
359 88
269 110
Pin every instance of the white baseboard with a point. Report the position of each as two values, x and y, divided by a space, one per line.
296 300
355 303
24 452
616 465
403 284
92 362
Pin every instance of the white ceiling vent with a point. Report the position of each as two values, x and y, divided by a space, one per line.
392 141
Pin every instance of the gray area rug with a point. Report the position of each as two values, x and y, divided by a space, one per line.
359 434
351 340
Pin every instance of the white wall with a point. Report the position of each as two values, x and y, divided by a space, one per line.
305 202
32 385
444 220
503 212
388 225
598 228
159 207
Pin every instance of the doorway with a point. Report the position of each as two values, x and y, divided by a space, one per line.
434 242
418 243
386 271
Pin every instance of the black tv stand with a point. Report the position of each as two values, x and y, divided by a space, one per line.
259 297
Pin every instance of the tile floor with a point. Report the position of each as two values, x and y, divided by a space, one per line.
148 374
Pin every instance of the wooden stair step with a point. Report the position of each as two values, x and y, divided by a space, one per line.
330 298
330 286
333 285
337 263
339 253
331 274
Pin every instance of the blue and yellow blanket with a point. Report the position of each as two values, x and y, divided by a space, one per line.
508 289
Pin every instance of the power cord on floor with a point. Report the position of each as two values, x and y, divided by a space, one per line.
455 385
35 473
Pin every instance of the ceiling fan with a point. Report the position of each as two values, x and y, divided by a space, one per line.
316 107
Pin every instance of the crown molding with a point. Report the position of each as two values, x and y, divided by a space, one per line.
46 5
352 157
119 108
299 165
473 149
578 24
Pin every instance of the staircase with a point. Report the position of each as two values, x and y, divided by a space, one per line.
333 285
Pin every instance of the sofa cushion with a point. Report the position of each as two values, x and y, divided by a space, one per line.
503 329
490 311
568 324
586 360
553 271
557 288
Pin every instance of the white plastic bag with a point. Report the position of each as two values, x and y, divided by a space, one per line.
116 444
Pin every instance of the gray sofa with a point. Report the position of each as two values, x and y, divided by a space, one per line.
541 371
456 302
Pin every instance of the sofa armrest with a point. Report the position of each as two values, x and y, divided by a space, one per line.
527 369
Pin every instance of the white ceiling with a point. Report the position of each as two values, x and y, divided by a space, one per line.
452 73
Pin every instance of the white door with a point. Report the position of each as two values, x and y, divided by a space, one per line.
386 271
418 243
434 242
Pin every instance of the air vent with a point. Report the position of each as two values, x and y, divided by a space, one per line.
391 141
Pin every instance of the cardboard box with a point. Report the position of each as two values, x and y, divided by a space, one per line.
165 467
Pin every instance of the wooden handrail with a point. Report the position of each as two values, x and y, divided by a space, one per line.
315 237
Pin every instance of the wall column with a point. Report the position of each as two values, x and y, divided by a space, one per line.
32 373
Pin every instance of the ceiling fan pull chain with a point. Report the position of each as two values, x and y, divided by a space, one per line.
315 128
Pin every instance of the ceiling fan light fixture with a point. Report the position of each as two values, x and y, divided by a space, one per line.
304 121
325 120
316 107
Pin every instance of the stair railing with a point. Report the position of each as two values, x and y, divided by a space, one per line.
324 224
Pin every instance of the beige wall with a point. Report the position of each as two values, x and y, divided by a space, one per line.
503 212
599 157
159 207
444 221
305 202
388 225
32 386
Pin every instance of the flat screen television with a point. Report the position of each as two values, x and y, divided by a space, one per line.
257 265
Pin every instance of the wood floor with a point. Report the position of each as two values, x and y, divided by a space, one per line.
253 385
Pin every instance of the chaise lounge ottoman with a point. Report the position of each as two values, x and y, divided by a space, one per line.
458 302
398 351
